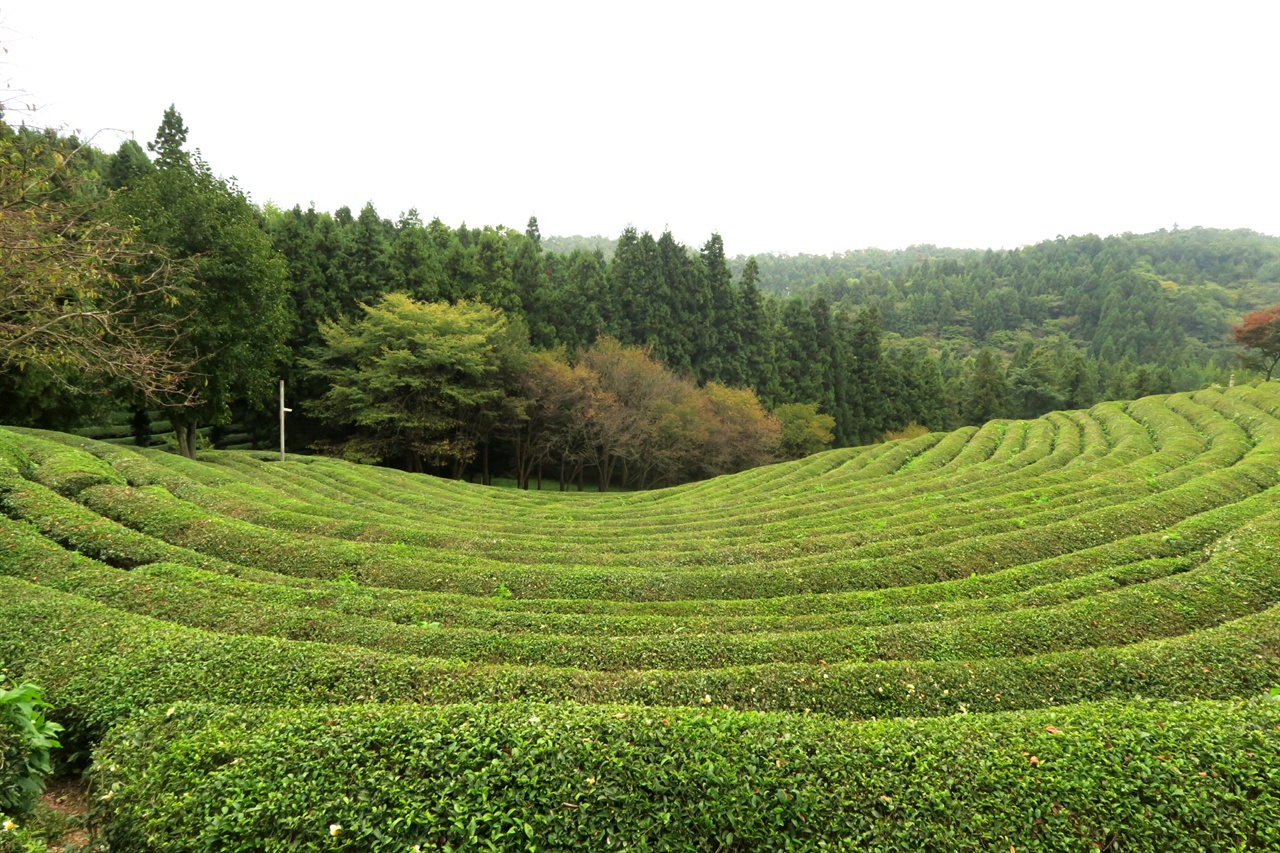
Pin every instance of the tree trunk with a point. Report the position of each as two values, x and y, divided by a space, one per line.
185 430
485 479
606 472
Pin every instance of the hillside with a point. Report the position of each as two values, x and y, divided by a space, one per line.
878 341
919 644
1166 298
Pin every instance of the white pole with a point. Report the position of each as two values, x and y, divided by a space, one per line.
282 413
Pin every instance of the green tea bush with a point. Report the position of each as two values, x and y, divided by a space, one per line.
1129 551
26 739
106 664
1141 776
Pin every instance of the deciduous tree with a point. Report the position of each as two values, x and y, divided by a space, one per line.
74 289
1260 330
805 430
417 380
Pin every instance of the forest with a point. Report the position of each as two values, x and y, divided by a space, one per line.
140 282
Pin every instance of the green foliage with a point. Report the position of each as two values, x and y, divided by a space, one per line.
26 739
418 379
232 307
917 613
74 289
804 429
1142 776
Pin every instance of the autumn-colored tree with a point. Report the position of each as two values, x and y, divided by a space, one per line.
72 288
743 433
631 382
1260 330
619 411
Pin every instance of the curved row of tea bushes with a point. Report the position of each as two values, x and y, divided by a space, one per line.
1140 776
99 666
433 537
1185 602
366 525
158 514
358 530
1131 551
373 491
1239 580
84 531
32 556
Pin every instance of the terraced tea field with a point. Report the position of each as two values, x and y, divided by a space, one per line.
982 640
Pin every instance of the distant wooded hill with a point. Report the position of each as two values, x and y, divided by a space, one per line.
874 340
1144 296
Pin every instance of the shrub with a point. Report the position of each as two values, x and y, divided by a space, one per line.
1140 776
26 739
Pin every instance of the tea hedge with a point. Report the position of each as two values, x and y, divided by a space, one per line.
100 665
1129 551
1139 776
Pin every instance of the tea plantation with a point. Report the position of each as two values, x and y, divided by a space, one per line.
1053 634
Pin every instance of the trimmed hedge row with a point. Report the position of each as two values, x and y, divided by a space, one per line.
67 471
1140 776
1240 579
31 556
183 484
334 516
158 514
521 545
1166 607
83 530
361 530
78 528
99 665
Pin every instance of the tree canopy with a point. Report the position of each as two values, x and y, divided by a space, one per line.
231 303
1260 330
418 381
73 289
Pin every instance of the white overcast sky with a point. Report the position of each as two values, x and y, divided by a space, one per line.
788 127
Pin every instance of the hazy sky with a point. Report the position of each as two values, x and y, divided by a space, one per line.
789 127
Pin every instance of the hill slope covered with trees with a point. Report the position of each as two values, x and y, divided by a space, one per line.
839 349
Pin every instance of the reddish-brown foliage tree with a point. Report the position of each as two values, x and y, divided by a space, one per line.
1260 330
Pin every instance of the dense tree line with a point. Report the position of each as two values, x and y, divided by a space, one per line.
849 346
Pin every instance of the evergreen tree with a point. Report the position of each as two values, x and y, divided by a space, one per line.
870 394
368 273
127 166
234 305
719 354
171 139
759 335
577 303
802 366
986 394
922 397
685 341
414 268
637 281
